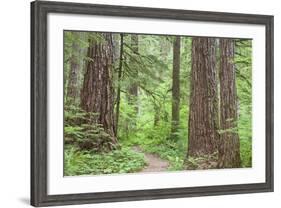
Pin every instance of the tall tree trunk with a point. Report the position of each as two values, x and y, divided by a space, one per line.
75 64
119 80
176 88
229 146
97 91
202 134
133 89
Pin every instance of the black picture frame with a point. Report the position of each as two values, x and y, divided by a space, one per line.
39 98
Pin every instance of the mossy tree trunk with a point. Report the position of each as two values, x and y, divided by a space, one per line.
176 88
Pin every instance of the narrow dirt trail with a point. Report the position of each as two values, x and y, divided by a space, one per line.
155 163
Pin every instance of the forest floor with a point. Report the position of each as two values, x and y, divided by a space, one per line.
154 162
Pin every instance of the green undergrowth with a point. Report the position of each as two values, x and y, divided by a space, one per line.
168 151
85 162
245 135
157 140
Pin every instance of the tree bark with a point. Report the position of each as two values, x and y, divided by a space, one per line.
176 88
203 111
97 91
229 146
119 80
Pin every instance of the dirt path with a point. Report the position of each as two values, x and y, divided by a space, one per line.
155 163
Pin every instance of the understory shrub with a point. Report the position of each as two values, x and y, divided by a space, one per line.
81 130
85 162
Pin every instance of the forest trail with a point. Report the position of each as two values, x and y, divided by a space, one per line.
155 163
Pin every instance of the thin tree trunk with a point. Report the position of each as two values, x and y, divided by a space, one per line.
202 134
72 87
83 63
229 146
176 88
97 91
119 86
133 89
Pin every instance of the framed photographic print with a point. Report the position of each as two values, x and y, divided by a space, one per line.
131 103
